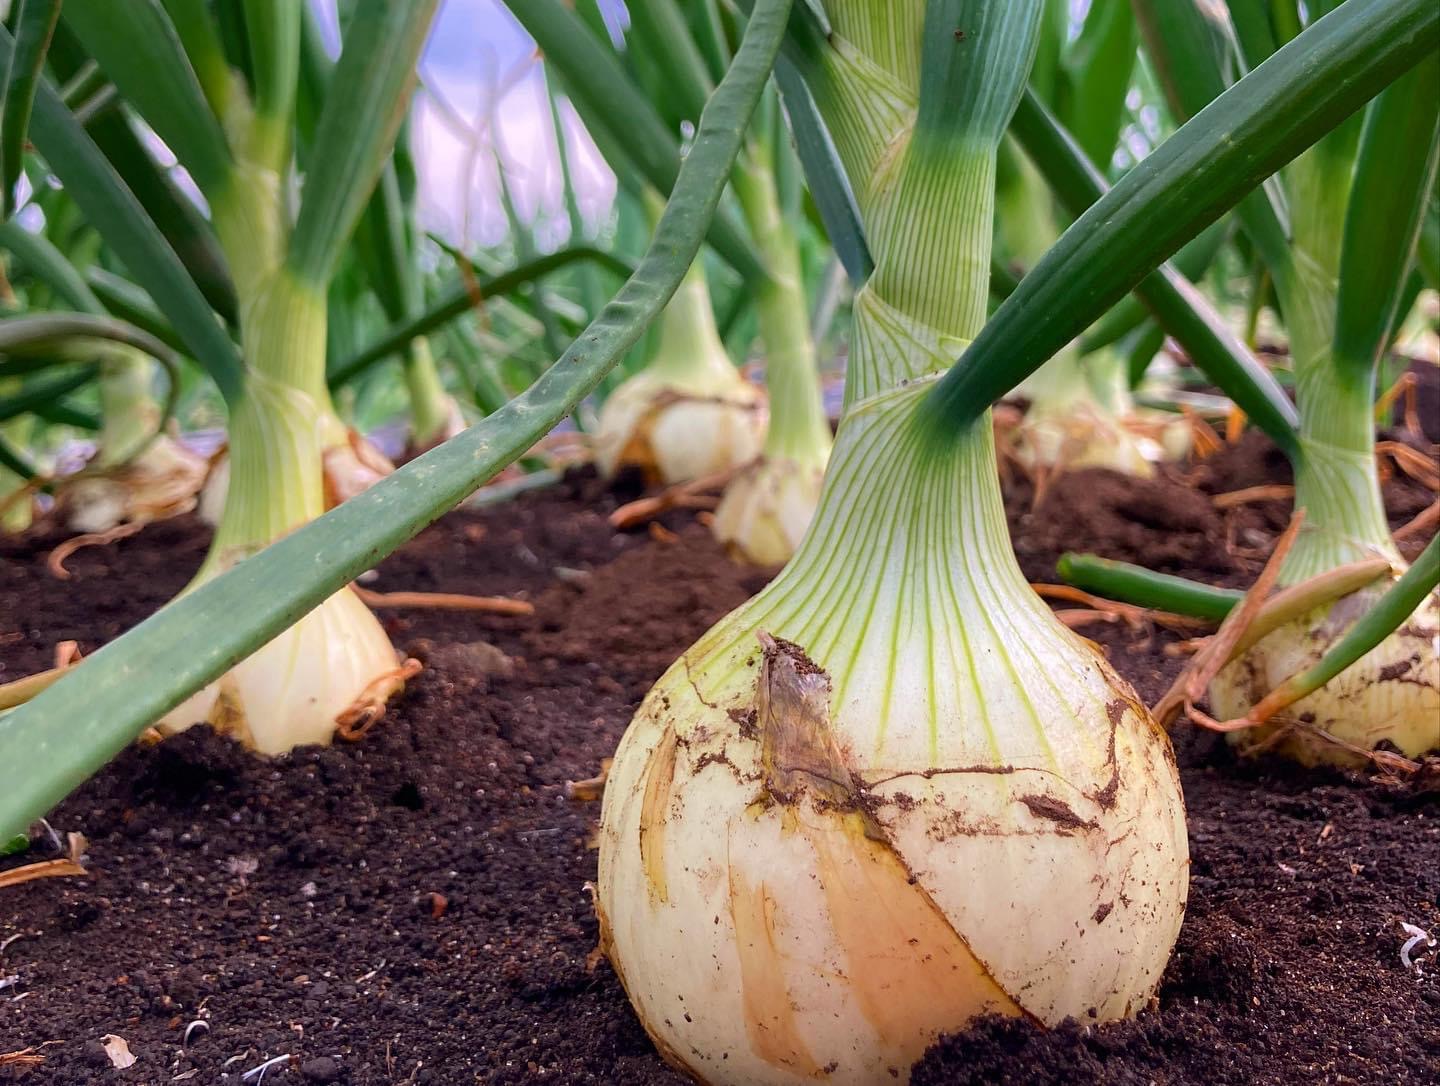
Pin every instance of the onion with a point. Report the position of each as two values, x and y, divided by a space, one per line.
290 692
1390 695
162 481
689 413
766 508
889 794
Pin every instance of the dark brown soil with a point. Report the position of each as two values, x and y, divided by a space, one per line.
412 908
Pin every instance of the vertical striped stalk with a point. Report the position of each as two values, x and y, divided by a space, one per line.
1335 477
768 506
277 432
795 818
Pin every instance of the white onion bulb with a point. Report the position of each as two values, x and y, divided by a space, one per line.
887 795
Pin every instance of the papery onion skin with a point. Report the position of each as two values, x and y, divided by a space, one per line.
1088 437
766 938
162 481
766 508
1390 695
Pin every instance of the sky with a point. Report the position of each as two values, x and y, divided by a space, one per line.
480 65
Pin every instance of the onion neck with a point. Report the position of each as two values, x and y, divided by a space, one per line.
129 414
798 429
279 426
906 591
931 239
429 402
689 351
1336 481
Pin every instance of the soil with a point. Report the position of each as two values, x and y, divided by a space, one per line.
413 908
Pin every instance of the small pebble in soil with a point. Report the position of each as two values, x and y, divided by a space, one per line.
320 1069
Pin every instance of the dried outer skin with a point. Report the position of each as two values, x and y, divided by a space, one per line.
766 508
1391 694
163 481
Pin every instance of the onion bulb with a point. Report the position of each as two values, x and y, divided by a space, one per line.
689 413
162 481
889 794
766 508
1391 695
290 692
1082 415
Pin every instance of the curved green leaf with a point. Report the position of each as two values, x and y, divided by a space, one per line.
200 38
34 24
128 302
825 177
1394 177
1189 47
114 694
1097 70
367 96
608 101
461 299
38 255
107 203
137 47
1192 261
1181 310
174 212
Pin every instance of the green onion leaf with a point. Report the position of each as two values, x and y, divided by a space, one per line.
34 24
137 47
1130 583
1394 177
364 104
461 299
107 203
1250 131
1181 309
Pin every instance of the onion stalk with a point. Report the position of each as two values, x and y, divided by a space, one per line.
289 453
767 507
434 413
289 692
887 794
